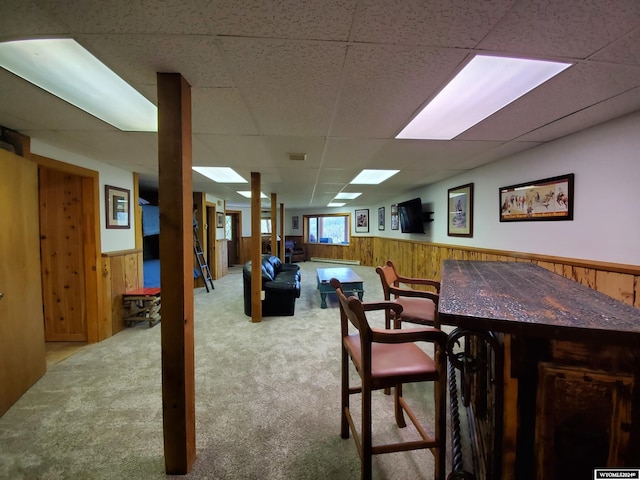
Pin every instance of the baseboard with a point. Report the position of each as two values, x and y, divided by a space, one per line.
335 260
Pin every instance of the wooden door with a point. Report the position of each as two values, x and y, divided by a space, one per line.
22 352
232 234
62 249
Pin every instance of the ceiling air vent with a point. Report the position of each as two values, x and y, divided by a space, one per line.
297 157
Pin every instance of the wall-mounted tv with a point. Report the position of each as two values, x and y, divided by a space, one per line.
411 219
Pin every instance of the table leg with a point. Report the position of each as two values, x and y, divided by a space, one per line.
323 303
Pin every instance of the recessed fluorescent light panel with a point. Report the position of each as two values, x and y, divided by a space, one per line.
373 177
220 174
335 204
68 71
247 194
483 87
347 195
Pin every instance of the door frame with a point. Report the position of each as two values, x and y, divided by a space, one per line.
98 325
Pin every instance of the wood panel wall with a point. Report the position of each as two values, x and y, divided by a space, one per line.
424 260
222 259
122 271
416 259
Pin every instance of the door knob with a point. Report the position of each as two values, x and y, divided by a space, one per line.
1 295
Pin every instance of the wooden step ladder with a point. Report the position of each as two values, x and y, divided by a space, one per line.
202 262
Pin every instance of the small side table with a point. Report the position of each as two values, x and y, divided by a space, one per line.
141 305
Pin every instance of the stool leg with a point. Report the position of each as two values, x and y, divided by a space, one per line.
367 441
400 421
440 400
344 423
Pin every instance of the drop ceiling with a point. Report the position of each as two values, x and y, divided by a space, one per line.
335 79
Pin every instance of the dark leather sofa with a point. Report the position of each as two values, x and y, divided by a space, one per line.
281 285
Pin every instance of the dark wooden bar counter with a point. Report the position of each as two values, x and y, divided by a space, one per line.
565 372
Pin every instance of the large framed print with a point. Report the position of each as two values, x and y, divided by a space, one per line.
116 202
546 199
460 211
362 221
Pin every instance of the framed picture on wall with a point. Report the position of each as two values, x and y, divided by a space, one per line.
219 220
546 199
362 221
381 218
116 201
460 211
395 221
294 223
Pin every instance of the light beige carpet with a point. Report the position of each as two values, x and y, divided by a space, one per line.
267 401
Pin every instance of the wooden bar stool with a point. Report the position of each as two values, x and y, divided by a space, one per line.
387 358
418 306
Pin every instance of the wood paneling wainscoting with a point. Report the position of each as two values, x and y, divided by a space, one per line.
222 259
122 271
417 259
423 259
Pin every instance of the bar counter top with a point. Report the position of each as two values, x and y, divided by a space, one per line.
523 298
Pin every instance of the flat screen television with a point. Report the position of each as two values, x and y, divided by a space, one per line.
411 219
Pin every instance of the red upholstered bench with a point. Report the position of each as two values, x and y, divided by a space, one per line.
141 305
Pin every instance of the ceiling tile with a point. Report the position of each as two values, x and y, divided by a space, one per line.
383 86
624 50
560 28
455 23
290 87
575 89
326 20
607 110
220 111
22 18
126 16
138 58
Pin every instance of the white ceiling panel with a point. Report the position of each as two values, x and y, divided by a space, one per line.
220 111
575 89
383 86
335 79
290 87
326 20
617 106
624 50
574 29
126 16
138 58
455 23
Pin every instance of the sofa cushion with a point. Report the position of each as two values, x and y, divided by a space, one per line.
275 262
268 272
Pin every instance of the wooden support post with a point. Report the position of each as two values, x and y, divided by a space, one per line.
256 250
281 229
176 275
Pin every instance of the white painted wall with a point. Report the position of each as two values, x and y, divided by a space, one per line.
606 226
112 240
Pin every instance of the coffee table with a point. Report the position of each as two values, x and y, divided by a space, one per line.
351 282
